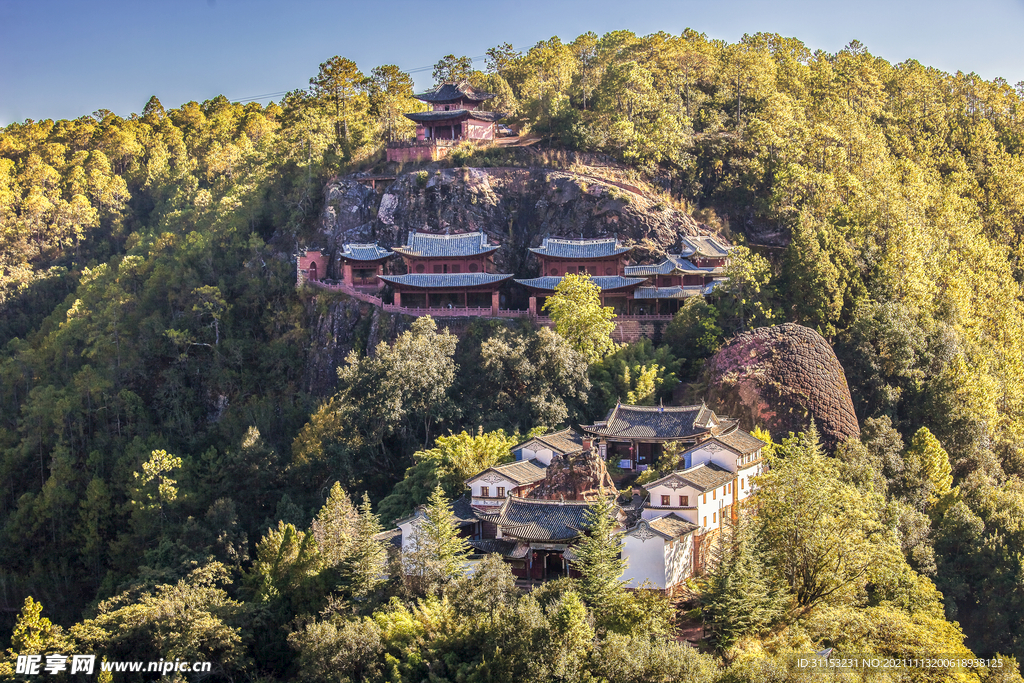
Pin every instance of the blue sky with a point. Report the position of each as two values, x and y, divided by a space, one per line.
62 59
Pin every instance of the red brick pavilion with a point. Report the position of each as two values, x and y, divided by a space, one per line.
454 116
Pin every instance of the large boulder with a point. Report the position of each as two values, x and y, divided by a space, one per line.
780 378
575 476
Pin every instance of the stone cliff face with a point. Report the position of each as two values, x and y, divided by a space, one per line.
338 324
582 476
780 378
516 207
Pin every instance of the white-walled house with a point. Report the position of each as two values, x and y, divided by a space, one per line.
544 448
493 485
702 495
659 552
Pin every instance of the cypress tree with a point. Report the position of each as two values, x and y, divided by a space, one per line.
739 597
599 559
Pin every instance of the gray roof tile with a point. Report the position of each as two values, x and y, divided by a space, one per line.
429 116
672 525
429 245
704 246
452 92
740 441
364 252
676 292
441 281
605 282
540 520
521 472
654 422
581 249
563 442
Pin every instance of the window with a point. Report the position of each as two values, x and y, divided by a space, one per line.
501 492
437 269
714 495
666 501
456 268
705 498
714 518
420 268
684 501
705 520
743 486
485 491
473 267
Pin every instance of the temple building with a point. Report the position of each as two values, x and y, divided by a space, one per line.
634 437
603 259
448 271
454 115
361 264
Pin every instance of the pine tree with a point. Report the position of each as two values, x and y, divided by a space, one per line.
365 564
599 559
739 598
936 471
439 553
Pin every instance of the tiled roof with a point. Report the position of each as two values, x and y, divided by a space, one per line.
706 476
563 442
740 441
676 292
391 536
654 422
672 525
704 246
582 249
462 508
540 520
429 245
701 477
452 92
441 281
605 282
663 268
428 116
521 472
364 252
510 549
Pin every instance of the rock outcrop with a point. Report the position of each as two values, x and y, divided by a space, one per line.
578 476
780 378
516 207
338 324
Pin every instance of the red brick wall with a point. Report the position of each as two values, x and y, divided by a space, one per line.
312 265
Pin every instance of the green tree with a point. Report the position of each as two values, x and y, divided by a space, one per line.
390 91
439 552
739 596
579 317
453 459
824 537
743 297
452 69
340 84
598 559
935 468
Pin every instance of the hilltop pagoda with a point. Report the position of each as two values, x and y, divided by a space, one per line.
454 116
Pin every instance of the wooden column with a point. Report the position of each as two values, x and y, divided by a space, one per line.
427 305
346 276
495 300
398 298
533 306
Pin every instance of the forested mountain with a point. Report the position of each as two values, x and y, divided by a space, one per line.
153 425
